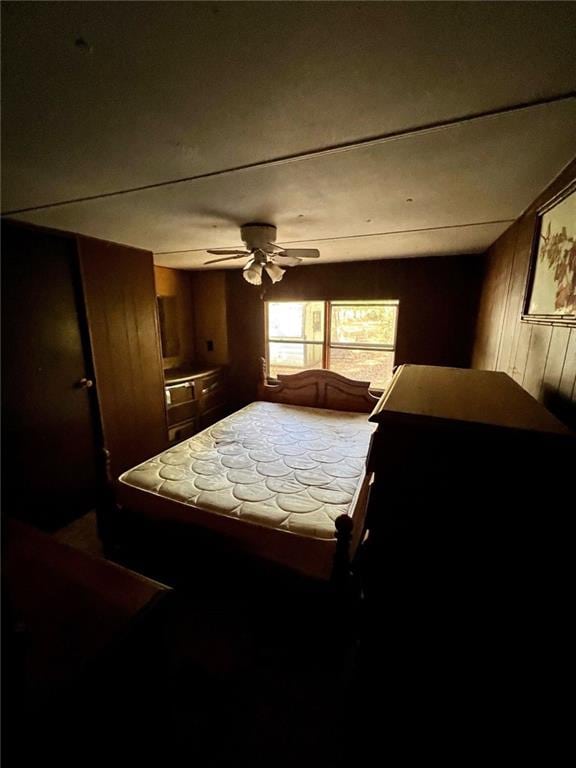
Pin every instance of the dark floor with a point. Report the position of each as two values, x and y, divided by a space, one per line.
82 534
205 681
250 666
239 665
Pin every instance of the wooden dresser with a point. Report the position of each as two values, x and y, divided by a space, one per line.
463 446
472 491
195 398
466 568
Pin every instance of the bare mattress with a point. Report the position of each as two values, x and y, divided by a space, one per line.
275 475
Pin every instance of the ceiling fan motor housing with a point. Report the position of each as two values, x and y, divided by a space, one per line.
258 235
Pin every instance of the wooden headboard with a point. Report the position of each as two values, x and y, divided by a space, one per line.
318 389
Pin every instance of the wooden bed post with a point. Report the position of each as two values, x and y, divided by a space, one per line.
105 503
341 575
262 380
107 513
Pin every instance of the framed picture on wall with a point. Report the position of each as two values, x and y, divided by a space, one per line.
551 289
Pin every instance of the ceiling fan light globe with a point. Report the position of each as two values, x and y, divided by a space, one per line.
274 272
252 273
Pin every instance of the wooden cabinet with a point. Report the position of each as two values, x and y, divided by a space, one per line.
472 498
471 491
463 447
465 566
195 398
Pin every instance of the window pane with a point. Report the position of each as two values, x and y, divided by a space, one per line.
363 364
363 323
296 320
291 358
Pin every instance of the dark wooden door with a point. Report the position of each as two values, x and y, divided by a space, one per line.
51 448
121 309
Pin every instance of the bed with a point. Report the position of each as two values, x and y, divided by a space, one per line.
284 477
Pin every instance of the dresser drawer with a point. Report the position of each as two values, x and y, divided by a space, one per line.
207 385
179 393
213 400
181 412
183 431
195 402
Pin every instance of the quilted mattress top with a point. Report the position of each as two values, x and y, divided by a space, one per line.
280 466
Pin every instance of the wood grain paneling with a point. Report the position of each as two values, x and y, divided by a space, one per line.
493 300
521 356
555 360
514 301
536 359
567 386
209 300
540 357
121 306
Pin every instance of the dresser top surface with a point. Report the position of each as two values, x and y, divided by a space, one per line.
188 372
463 395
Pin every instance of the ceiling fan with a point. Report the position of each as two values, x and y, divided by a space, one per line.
263 254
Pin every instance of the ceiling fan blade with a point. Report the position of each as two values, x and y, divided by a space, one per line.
226 251
300 253
287 260
226 258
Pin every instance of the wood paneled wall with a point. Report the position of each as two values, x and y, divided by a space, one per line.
120 301
209 300
177 283
438 307
540 357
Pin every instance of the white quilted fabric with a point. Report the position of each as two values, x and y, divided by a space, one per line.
280 466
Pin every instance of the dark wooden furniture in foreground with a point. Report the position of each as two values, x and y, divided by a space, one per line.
195 398
64 608
448 441
85 669
445 458
465 575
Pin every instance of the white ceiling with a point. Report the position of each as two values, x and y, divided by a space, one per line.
166 92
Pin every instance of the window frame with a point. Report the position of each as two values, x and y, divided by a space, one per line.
326 343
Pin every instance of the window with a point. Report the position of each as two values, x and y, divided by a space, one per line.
354 338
